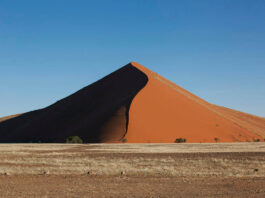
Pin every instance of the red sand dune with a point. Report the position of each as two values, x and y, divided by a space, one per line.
163 111
136 105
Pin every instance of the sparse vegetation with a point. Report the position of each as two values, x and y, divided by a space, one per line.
124 159
74 140
180 140
124 140
256 140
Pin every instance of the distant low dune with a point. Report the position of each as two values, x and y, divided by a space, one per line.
8 117
135 105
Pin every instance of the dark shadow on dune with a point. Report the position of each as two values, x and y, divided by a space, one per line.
96 113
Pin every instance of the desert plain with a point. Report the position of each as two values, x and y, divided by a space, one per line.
133 170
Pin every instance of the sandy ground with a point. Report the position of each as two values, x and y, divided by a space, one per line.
132 170
103 186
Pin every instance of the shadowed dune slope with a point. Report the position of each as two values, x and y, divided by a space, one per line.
163 111
136 105
96 113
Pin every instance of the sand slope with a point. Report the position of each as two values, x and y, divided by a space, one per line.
163 111
133 104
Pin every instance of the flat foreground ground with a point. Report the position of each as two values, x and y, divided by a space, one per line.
132 170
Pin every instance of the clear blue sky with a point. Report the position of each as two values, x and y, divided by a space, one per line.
51 48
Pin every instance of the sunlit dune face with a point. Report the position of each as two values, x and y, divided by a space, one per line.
163 112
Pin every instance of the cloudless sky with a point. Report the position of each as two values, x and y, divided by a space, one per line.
213 48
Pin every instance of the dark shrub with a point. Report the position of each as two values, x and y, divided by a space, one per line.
216 139
74 140
180 140
124 140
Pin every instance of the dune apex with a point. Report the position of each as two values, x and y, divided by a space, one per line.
135 105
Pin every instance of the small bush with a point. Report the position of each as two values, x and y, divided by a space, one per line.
256 140
216 139
124 140
74 140
180 140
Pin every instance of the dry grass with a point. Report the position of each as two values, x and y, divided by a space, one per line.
148 170
234 159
